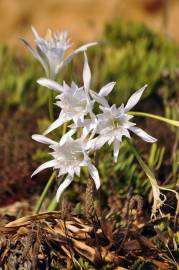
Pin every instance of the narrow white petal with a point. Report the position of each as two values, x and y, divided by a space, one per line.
35 34
57 123
134 99
90 145
100 99
111 140
44 166
43 139
126 133
80 49
100 141
85 47
77 171
36 55
106 90
50 84
86 73
94 174
63 186
67 136
143 135
116 149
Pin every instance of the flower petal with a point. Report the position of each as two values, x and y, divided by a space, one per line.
35 54
134 99
90 144
143 135
44 166
63 186
67 136
57 123
50 84
116 149
100 141
86 73
35 34
85 47
100 99
94 174
42 139
106 90
80 49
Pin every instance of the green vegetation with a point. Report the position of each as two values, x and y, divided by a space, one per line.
133 55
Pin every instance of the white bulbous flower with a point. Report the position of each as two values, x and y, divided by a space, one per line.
69 156
74 101
50 52
114 123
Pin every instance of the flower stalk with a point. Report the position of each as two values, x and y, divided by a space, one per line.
156 117
50 106
44 193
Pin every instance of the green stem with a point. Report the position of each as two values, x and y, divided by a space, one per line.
53 204
157 117
44 193
50 106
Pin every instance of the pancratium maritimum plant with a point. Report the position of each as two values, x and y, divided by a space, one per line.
85 130
76 105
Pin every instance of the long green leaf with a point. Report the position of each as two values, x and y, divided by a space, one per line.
157 117
146 169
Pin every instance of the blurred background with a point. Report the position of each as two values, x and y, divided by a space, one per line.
138 44
84 19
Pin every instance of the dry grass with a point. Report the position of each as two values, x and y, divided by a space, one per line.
45 240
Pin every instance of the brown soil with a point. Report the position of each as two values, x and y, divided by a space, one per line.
17 149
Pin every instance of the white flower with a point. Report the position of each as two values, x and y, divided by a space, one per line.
74 101
50 52
69 156
114 123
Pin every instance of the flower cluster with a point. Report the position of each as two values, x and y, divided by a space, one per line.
87 131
